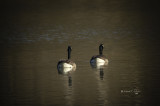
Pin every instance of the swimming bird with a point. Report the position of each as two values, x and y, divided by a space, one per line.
66 65
99 60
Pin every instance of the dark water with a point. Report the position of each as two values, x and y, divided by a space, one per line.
35 36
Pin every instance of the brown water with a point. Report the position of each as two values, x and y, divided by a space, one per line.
35 36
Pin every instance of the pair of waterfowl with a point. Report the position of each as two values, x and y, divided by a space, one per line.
97 59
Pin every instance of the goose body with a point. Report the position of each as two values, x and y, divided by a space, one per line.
99 60
66 65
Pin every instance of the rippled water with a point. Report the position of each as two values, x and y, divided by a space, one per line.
35 37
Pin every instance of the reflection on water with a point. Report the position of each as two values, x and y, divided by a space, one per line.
99 66
68 89
103 96
101 73
67 71
35 34
69 81
102 84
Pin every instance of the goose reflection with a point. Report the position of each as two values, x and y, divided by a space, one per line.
102 89
99 67
101 73
67 71
101 85
68 91
69 81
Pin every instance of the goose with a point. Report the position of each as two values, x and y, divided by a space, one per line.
66 65
99 60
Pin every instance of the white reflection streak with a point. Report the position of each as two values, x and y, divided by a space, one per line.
67 84
68 91
102 91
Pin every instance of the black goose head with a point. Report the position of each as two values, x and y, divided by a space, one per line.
101 46
69 51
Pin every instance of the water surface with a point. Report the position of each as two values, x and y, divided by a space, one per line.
35 37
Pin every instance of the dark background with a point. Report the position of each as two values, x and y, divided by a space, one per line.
12 11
